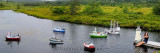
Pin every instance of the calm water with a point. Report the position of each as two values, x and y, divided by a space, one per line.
36 32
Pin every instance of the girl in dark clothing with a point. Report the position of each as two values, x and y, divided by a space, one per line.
145 39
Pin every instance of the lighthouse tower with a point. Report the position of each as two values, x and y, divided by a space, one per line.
138 34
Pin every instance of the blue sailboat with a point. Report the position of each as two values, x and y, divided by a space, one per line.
56 29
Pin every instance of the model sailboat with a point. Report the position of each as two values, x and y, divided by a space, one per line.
11 37
58 29
115 29
55 40
96 34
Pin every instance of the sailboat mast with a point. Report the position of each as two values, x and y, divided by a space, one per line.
114 24
117 23
10 35
111 26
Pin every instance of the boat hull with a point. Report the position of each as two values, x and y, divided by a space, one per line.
12 38
52 42
114 33
89 49
98 36
58 31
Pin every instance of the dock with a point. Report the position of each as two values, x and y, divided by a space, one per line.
138 39
151 44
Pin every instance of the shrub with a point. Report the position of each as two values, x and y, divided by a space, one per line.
18 6
139 13
125 10
64 18
93 8
156 10
115 10
1 5
121 6
140 22
58 10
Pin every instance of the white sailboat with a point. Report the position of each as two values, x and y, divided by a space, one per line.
55 40
115 29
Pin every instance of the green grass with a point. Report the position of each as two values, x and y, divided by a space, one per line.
146 19
7 5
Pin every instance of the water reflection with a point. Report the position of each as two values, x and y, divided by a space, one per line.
141 49
145 49
115 35
59 33
11 43
52 45
37 32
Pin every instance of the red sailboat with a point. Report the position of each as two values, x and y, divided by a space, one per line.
11 37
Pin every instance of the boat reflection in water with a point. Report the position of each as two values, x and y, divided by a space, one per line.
12 42
54 45
59 33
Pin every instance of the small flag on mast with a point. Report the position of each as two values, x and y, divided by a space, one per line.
8 33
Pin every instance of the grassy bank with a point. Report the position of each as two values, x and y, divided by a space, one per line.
7 5
135 16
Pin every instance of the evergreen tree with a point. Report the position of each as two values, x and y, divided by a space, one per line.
1 5
74 7
93 8
125 9
156 10
18 6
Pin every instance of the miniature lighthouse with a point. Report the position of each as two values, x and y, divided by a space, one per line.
138 34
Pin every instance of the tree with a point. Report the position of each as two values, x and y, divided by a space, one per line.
125 9
58 10
115 10
74 7
156 10
18 6
1 5
93 8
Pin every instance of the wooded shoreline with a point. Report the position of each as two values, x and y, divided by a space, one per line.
129 15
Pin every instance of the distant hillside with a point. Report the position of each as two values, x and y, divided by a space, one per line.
21 0
141 1
148 1
30 0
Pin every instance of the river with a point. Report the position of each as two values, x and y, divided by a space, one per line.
35 33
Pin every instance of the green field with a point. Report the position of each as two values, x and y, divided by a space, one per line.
146 19
128 16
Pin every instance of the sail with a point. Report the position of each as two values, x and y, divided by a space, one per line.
117 28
